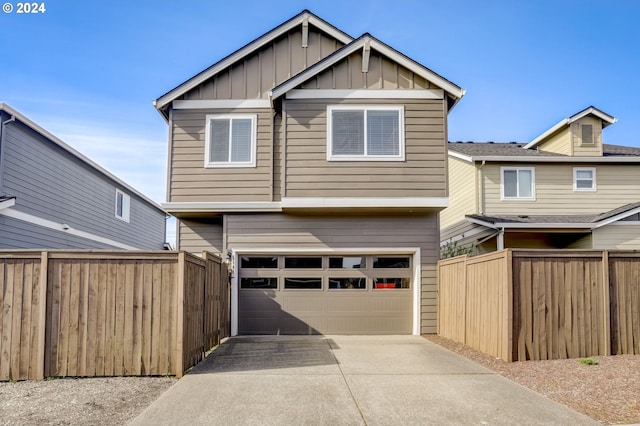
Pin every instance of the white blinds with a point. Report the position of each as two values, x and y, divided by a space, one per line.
241 140
348 132
382 133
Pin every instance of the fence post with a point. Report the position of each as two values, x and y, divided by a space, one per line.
42 315
179 370
606 313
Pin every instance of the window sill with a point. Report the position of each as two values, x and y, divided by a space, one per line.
228 165
363 158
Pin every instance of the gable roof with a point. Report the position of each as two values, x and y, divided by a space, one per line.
517 152
556 221
58 142
299 19
606 120
367 39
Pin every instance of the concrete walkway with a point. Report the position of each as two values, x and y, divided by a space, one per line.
347 380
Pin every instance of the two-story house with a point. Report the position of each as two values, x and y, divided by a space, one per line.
564 189
54 197
316 162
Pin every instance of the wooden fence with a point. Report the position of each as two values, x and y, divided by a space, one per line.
542 304
108 313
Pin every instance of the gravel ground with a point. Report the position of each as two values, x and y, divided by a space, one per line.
87 401
608 392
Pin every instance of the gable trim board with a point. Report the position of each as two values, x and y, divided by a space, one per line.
62 227
540 159
300 19
413 251
455 91
365 94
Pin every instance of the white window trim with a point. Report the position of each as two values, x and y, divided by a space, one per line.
533 184
207 141
593 179
365 157
126 206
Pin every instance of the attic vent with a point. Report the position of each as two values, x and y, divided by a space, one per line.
587 134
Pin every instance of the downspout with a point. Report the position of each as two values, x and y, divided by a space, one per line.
481 189
500 241
4 123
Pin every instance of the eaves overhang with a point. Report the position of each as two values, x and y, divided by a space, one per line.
543 159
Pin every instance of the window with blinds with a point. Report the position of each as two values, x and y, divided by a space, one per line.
230 141
365 133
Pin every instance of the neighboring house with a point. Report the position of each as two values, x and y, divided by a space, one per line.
316 163
53 197
565 189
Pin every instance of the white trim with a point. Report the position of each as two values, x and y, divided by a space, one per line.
456 154
392 54
126 206
545 159
222 207
463 235
365 156
481 222
9 202
616 218
55 140
606 119
518 198
221 103
268 37
414 251
207 140
594 185
364 202
61 227
364 94
622 223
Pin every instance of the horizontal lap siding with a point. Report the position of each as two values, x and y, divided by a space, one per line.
197 236
462 192
191 181
619 235
308 174
269 231
617 184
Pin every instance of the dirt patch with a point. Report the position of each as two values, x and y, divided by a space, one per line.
608 392
94 401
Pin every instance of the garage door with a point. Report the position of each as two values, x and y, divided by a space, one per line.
330 294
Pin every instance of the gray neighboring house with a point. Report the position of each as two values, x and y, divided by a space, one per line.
53 197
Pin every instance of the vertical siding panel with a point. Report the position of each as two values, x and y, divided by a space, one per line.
267 70
238 77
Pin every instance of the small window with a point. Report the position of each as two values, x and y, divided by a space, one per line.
259 283
518 184
352 262
587 134
347 283
268 262
303 262
230 141
358 133
123 205
391 262
303 283
584 179
390 283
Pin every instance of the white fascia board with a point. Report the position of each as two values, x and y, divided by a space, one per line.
510 225
481 222
525 159
365 94
203 76
221 207
221 103
460 156
546 134
5 204
365 202
46 223
608 119
616 218
458 237
57 141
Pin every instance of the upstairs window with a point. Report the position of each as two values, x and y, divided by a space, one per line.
584 179
123 205
230 141
365 133
518 183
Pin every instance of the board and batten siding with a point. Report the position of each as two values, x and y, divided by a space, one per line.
196 236
617 184
309 174
620 235
255 75
52 184
191 181
462 193
277 231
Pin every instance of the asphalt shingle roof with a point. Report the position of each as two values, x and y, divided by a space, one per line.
515 149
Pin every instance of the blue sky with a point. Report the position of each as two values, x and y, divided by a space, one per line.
88 70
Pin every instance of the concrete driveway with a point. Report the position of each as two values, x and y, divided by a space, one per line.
347 380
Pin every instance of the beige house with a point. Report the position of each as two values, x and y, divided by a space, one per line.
565 189
316 163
